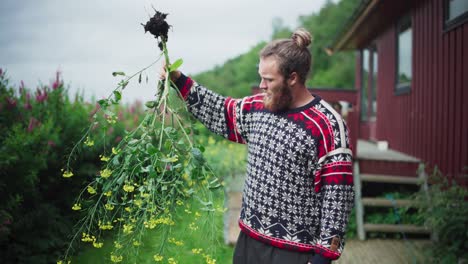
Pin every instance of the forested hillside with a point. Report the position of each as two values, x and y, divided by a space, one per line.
236 76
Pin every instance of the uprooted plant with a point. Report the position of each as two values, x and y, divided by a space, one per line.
153 170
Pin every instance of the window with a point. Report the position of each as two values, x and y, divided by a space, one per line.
456 13
369 83
364 83
373 106
404 52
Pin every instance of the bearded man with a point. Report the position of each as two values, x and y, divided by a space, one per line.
298 192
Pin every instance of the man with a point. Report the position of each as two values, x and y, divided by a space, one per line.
298 192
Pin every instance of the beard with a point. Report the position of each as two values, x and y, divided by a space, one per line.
278 99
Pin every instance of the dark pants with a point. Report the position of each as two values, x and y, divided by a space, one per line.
251 251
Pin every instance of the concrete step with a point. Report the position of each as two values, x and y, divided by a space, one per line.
387 228
389 179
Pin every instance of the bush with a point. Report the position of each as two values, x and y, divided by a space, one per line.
445 210
37 131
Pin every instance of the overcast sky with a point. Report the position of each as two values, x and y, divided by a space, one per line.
89 39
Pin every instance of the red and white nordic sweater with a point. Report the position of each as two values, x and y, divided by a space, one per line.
298 192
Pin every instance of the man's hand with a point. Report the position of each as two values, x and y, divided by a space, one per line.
174 74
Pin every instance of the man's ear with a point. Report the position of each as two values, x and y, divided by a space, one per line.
293 79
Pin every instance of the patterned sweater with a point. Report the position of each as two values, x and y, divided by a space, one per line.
298 191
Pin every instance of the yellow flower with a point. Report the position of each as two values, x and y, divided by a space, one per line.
171 261
138 202
109 207
107 226
115 151
67 174
104 158
88 238
196 250
89 142
193 226
208 259
128 209
127 229
105 173
211 140
175 242
91 190
97 245
136 243
111 120
117 245
128 188
221 209
173 159
197 214
109 193
158 258
116 259
76 207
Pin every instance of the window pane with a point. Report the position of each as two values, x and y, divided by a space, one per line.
457 8
404 56
374 83
365 81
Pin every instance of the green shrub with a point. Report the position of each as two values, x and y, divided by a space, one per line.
445 210
37 130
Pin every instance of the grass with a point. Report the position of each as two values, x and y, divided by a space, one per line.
209 237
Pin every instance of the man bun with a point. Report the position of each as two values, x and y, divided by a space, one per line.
302 37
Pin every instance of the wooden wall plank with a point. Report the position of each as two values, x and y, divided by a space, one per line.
458 103
464 142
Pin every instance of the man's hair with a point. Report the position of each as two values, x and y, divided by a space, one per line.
291 54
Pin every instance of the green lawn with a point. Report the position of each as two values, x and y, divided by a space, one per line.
209 237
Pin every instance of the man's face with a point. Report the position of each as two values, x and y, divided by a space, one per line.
277 92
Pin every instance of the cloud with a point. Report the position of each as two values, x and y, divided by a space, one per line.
89 39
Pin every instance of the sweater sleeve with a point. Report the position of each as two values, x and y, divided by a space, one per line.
218 113
334 180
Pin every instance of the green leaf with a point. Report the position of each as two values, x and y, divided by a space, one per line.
151 149
118 73
133 142
150 104
174 66
198 156
117 96
103 103
123 84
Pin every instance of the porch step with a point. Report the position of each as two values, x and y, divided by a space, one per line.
386 228
388 179
380 180
382 202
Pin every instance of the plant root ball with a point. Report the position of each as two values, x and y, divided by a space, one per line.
158 27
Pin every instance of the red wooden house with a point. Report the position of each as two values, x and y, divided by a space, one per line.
411 100
412 77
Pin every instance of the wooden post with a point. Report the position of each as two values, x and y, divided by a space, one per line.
358 202
422 175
